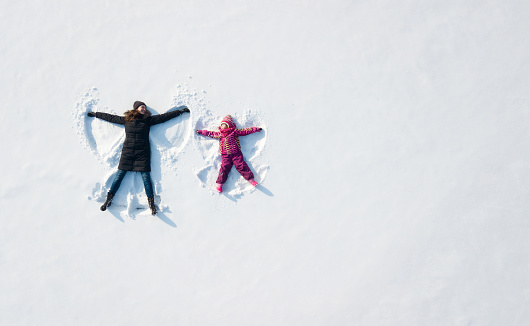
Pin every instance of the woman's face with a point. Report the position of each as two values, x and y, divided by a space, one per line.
141 109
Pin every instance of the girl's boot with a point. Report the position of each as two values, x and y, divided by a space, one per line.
151 201
107 202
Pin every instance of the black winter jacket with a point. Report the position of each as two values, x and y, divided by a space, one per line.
136 152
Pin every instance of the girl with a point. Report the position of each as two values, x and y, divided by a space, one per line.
136 152
230 150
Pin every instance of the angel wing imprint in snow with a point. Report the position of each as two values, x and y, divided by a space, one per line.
105 141
251 146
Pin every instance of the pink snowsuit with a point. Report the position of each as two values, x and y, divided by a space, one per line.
230 149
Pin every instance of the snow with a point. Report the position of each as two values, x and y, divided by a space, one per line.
393 165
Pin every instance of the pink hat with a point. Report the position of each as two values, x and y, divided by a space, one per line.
229 121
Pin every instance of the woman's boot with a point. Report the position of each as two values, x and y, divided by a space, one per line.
151 201
107 202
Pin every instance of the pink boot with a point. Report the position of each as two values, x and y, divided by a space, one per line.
219 187
253 182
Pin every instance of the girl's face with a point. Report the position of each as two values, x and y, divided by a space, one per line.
141 109
224 126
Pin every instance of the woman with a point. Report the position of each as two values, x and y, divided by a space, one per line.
136 152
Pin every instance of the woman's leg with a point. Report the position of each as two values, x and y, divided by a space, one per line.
115 185
148 184
226 166
117 181
242 167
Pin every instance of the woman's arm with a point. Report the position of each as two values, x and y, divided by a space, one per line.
108 117
211 134
161 118
247 131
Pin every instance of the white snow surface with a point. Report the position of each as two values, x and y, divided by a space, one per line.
393 167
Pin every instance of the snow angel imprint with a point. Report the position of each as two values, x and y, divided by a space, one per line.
230 150
136 152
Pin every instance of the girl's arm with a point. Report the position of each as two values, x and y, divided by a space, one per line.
211 134
160 118
247 131
110 118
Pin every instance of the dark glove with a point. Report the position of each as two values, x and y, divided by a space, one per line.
185 110
197 131
91 114
260 129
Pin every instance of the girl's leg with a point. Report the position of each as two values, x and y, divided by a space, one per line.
148 184
226 166
117 181
242 167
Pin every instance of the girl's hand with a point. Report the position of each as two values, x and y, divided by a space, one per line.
260 129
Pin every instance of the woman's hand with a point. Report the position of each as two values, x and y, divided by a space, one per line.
91 114
185 110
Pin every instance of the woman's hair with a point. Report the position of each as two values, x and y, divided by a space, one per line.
134 115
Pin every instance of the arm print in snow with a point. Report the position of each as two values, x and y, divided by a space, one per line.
211 134
110 118
246 131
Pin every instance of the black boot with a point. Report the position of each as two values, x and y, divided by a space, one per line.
107 202
151 201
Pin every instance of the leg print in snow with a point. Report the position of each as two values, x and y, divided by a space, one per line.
105 141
